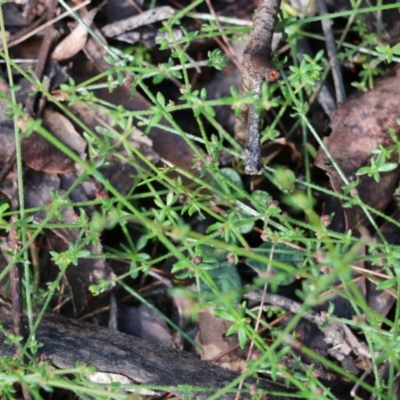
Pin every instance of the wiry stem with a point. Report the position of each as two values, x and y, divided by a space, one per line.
257 66
333 60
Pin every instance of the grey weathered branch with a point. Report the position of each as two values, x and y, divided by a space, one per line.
336 333
66 341
257 66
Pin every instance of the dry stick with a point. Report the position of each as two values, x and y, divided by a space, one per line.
336 333
25 31
66 341
10 246
44 51
331 48
145 18
260 311
257 66
224 37
16 39
325 98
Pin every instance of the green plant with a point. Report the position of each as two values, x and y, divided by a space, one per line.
296 242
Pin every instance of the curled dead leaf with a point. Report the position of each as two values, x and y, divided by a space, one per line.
63 130
75 41
216 344
41 155
360 125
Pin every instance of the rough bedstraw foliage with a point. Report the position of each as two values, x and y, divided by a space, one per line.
296 244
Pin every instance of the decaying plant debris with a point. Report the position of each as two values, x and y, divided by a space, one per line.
356 131
125 201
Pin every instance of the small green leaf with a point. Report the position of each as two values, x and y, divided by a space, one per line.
388 167
242 338
224 315
396 49
226 278
243 223
281 253
178 266
389 283
83 253
158 79
142 241
230 174
260 199
161 99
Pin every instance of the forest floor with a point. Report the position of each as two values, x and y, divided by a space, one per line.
199 199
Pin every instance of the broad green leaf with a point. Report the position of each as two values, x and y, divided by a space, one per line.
227 280
230 174
389 283
283 254
243 222
260 199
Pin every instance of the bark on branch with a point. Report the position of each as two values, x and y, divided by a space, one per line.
66 341
257 66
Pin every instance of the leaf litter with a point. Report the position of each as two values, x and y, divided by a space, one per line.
359 127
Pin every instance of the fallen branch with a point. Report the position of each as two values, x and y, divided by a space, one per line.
257 66
66 342
336 333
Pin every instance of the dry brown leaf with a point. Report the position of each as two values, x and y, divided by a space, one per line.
41 155
75 41
211 337
64 131
144 323
360 125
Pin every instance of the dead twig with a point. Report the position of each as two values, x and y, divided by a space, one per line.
324 96
67 341
33 30
145 18
44 52
331 48
10 246
257 66
225 39
337 334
